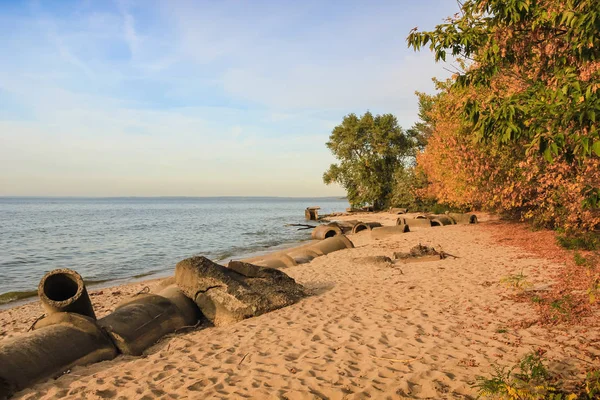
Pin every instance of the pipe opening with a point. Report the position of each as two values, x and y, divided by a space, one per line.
360 227
330 233
472 219
435 223
60 287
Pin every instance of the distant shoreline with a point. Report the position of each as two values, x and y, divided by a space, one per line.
176 197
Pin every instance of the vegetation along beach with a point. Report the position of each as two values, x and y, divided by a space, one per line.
265 201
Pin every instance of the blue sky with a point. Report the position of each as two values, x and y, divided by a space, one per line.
197 98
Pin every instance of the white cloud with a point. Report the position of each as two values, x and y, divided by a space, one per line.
226 99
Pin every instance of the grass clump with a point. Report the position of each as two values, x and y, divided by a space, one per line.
529 379
516 281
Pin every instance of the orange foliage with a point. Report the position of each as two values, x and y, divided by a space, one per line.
464 173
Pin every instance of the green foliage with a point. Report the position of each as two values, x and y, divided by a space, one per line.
407 182
580 241
529 379
541 57
562 308
515 131
440 208
423 129
592 385
580 260
371 150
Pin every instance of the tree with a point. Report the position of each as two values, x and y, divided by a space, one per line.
422 129
516 130
541 58
370 150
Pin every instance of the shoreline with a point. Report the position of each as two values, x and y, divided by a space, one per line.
29 296
370 328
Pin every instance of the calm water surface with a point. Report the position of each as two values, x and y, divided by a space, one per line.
120 238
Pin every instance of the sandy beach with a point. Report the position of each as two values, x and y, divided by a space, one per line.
370 329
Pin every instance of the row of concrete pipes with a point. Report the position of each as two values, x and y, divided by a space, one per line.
70 335
403 225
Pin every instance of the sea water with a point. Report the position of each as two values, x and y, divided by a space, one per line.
112 239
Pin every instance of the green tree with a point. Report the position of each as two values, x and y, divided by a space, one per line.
423 128
370 149
541 60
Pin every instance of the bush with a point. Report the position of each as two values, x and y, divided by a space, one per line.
580 241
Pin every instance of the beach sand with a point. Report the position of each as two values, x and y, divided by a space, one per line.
371 330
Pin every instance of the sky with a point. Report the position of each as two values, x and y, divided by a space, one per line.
198 98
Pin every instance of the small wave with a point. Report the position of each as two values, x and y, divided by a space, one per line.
14 296
257 233
144 274
16 263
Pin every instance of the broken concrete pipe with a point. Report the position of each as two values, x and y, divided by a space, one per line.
312 213
139 322
303 255
228 295
63 290
58 343
365 226
278 260
441 220
463 218
329 245
322 232
413 223
188 309
386 231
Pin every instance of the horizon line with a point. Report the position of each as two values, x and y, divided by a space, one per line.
163 197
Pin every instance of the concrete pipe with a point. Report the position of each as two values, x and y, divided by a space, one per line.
303 255
386 231
276 260
326 231
463 218
138 323
329 245
414 224
441 220
360 227
365 226
63 290
59 342
189 310
291 252
163 284
421 216
345 226
308 246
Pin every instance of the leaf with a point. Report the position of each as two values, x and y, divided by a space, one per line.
596 148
